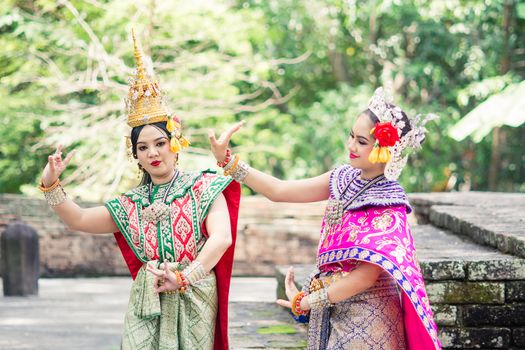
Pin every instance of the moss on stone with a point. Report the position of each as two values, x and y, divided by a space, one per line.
277 329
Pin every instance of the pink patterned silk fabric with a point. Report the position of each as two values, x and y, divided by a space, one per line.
381 235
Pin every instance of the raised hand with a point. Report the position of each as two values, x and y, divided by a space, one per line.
219 147
165 279
55 166
290 289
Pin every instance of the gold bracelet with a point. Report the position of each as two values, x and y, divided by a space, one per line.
296 304
319 299
55 196
240 172
234 165
194 272
50 188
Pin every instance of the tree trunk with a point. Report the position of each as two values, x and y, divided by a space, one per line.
495 158
337 60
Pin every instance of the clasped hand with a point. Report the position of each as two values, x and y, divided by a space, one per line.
165 280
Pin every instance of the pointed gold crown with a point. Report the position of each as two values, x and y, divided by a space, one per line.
144 104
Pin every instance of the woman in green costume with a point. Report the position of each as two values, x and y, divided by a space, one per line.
179 226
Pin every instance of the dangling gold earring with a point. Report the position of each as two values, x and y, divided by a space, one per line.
129 148
140 173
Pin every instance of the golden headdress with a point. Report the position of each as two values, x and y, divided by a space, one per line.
145 103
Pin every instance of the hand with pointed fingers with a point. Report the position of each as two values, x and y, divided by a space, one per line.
165 280
290 289
219 147
55 166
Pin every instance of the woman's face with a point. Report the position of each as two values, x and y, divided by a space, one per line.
360 144
153 152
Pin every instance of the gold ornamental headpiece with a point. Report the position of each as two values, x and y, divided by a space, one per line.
145 103
391 147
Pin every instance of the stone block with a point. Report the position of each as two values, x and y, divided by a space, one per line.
490 315
443 270
518 245
20 260
515 291
518 337
466 292
482 235
485 223
475 338
493 337
504 269
449 337
445 315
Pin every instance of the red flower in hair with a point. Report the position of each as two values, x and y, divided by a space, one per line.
386 134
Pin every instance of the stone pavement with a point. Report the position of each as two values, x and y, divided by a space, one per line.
88 313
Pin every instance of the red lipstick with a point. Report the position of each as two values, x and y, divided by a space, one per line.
155 163
353 156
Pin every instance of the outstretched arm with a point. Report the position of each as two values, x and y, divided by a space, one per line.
92 220
297 191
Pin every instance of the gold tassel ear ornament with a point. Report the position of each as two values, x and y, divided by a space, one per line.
373 157
384 155
175 145
379 155
172 125
184 142
178 142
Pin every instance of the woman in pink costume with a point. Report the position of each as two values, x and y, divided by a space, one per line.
368 291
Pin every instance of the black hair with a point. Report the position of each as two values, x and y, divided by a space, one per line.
373 117
135 132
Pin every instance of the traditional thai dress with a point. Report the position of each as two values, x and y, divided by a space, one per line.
198 318
395 312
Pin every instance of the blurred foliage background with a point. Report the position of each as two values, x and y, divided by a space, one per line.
297 71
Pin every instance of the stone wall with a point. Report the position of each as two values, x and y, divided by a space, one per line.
63 253
476 275
268 234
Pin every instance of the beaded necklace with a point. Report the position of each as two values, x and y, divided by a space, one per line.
337 206
158 210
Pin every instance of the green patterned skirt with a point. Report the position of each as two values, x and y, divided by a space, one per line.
170 321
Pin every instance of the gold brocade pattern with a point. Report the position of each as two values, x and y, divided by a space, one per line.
171 321
371 320
383 222
180 238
